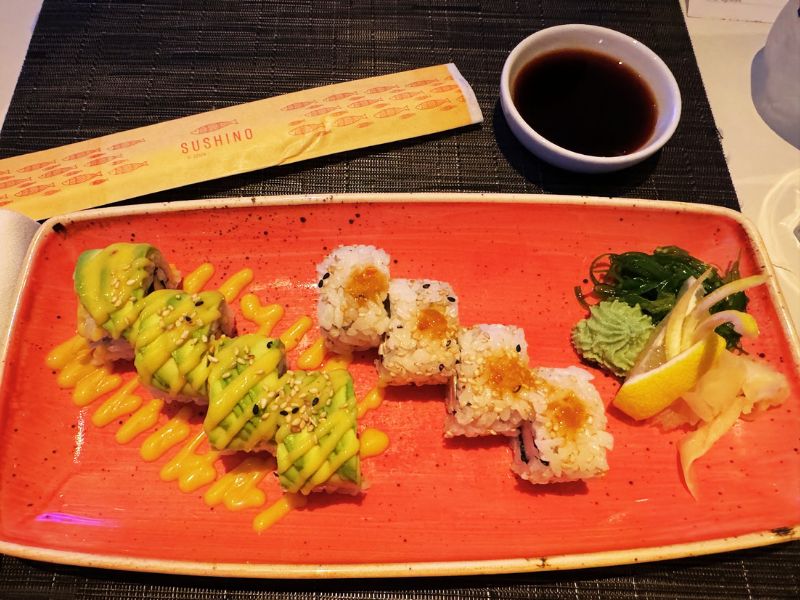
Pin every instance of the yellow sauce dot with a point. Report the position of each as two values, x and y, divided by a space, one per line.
170 434
75 369
337 361
234 285
371 401
277 511
65 352
142 420
237 489
292 336
96 383
198 278
311 358
123 402
192 471
266 317
373 442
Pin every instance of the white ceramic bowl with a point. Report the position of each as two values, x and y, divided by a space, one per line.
607 41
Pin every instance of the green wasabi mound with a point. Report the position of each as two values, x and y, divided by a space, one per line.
613 335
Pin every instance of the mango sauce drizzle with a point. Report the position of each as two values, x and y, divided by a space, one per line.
237 489
234 285
122 402
88 381
192 470
197 279
282 507
311 358
170 434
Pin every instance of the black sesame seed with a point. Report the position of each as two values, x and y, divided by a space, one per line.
321 283
425 286
255 409
447 343
315 401
519 348
518 388
295 410
284 413
199 303
451 299
326 275
269 344
187 318
441 367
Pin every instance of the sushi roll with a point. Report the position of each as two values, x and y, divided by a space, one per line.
245 378
420 345
353 285
566 440
493 387
318 448
110 284
174 340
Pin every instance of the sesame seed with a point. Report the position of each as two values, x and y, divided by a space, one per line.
519 348
130 282
241 361
326 275
256 409
284 413
321 283
199 303
205 339
226 374
425 286
315 401
295 409
269 344
213 359
441 367
451 299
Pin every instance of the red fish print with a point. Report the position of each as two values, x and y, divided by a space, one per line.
403 95
6 202
26 184
213 127
380 88
4 185
342 96
81 154
102 161
122 169
321 111
35 167
96 155
390 112
4 177
81 178
298 105
361 103
99 181
344 121
421 82
296 122
127 144
451 107
50 192
118 162
407 116
33 190
339 113
381 105
428 104
445 88
361 125
304 129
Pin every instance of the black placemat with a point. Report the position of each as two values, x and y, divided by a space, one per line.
95 68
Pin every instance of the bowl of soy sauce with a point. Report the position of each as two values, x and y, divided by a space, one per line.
588 99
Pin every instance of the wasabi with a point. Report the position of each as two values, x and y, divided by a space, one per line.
613 336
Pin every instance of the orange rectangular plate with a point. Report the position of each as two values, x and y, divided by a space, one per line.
70 493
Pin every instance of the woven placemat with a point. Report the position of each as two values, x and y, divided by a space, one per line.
95 68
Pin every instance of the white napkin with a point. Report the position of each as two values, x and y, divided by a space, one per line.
16 232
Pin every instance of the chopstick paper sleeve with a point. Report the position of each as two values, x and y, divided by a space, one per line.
237 139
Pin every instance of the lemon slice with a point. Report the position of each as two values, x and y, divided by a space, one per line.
647 393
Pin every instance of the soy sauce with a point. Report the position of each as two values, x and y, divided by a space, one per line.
586 102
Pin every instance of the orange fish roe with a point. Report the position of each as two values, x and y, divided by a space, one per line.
568 414
367 284
432 323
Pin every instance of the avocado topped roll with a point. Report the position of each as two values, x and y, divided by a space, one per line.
110 284
175 339
319 451
246 375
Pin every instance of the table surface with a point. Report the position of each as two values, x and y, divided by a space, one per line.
759 162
